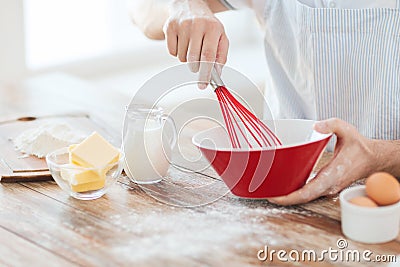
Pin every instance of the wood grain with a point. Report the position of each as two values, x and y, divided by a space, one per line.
11 245
188 219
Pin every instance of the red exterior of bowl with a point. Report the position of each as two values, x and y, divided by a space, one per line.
266 173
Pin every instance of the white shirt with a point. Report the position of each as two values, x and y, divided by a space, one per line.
349 4
344 4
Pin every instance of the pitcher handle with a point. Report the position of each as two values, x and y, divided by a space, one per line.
170 121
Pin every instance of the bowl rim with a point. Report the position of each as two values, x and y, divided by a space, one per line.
70 166
274 148
361 188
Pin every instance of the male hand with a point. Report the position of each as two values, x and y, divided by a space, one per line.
355 157
195 35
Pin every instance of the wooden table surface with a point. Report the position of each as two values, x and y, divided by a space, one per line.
181 221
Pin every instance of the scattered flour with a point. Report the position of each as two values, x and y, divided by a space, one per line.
46 138
209 235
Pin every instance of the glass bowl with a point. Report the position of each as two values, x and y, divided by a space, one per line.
265 172
80 182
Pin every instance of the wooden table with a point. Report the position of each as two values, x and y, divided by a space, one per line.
42 226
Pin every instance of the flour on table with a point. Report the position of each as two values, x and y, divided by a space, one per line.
40 141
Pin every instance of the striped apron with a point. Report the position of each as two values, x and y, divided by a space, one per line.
341 63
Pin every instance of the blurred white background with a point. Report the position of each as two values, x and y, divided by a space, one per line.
94 41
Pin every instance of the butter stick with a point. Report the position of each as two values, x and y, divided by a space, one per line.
88 186
94 152
76 177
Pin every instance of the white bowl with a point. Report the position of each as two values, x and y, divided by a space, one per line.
368 225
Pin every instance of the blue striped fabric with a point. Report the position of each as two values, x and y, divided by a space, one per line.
336 63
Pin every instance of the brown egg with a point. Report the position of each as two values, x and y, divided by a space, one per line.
364 202
383 188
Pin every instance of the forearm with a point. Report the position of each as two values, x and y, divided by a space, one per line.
151 15
388 156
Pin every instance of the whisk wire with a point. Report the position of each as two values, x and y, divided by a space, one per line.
253 120
245 118
226 113
244 122
235 114
225 102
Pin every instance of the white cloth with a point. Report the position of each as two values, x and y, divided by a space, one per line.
334 62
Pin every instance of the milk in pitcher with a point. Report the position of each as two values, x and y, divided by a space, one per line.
147 152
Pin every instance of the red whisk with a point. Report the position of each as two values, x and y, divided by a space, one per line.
242 125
